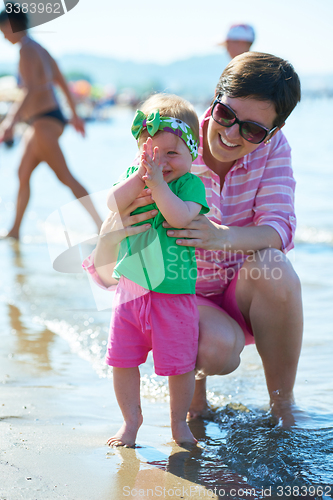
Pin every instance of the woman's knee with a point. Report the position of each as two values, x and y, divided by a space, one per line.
220 345
65 178
28 164
271 273
24 177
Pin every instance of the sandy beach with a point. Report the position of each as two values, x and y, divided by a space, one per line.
55 418
56 414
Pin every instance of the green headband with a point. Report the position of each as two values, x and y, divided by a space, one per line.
155 122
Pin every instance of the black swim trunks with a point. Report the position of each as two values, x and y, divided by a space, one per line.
54 113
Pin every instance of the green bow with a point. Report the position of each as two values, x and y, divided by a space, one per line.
152 122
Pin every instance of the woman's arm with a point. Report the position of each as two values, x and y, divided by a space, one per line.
106 252
274 215
203 233
114 229
122 195
59 79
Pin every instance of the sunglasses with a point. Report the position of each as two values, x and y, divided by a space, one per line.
250 131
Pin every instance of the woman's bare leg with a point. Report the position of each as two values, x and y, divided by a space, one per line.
269 296
221 340
181 388
29 162
126 382
48 132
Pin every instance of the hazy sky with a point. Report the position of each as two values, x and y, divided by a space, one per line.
162 31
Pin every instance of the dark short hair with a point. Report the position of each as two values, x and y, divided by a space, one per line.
19 20
263 77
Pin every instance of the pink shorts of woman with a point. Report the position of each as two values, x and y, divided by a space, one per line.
142 320
227 303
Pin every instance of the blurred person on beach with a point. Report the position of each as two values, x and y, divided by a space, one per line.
154 307
39 108
247 289
239 39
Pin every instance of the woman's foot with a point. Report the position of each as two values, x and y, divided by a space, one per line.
282 410
11 234
126 435
181 433
199 405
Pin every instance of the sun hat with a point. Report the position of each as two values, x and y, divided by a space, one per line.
240 32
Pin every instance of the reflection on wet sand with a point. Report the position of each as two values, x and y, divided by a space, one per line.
17 257
184 473
30 342
33 343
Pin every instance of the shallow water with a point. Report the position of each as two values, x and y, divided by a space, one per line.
42 304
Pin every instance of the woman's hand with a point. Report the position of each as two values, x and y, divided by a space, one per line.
78 124
120 224
201 233
6 132
128 220
114 229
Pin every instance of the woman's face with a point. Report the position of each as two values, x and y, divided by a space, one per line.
226 144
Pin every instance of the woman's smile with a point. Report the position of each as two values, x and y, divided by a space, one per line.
227 143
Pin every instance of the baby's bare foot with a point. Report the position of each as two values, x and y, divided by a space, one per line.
126 435
181 433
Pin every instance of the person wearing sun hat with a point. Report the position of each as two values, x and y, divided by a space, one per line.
239 39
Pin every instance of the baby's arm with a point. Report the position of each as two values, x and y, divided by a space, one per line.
177 213
126 191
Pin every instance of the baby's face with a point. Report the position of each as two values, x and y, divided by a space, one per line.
175 157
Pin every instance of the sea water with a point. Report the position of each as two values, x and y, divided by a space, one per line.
242 437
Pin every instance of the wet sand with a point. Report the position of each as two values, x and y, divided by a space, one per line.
56 415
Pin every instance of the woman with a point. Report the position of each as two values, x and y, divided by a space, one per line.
247 289
39 108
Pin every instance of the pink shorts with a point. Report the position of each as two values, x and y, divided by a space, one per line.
143 320
226 302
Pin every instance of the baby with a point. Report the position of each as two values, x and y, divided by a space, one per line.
154 307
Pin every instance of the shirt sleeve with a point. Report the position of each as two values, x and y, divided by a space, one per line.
274 203
193 189
89 266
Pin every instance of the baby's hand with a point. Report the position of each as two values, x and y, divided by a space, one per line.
150 159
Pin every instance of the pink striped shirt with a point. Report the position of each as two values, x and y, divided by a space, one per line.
258 190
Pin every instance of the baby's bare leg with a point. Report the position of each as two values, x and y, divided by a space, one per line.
181 389
126 382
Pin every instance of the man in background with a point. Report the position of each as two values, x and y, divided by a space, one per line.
239 39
